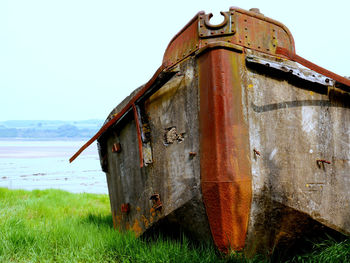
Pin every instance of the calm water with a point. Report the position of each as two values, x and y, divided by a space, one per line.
44 164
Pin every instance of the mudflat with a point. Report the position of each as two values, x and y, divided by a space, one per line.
26 164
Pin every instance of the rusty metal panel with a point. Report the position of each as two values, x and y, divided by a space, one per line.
240 27
257 32
225 163
183 44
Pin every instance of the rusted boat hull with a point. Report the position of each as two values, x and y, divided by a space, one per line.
235 138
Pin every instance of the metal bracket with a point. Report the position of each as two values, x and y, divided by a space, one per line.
116 148
299 72
206 29
145 149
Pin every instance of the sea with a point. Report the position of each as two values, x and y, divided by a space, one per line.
33 164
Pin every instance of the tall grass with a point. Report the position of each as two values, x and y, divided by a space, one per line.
57 226
325 251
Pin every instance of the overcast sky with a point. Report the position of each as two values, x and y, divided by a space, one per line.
77 59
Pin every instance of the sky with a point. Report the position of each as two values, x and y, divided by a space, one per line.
77 59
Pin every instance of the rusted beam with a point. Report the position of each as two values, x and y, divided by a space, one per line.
224 159
310 65
143 92
139 140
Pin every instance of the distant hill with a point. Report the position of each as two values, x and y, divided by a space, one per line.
41 129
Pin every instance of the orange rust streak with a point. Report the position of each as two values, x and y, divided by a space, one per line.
310 65
138 134
225 174
120 114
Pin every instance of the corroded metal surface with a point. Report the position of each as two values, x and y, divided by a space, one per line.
244 28
283 66
225 165
310 65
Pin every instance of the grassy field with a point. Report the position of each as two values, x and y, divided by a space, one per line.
56 226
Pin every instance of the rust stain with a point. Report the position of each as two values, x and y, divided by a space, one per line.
225 174
145 221
136 228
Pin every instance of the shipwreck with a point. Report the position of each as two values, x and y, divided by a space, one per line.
236 138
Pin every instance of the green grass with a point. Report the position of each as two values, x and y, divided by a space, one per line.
56 226
328 250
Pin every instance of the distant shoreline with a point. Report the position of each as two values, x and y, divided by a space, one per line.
49 130
75 139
